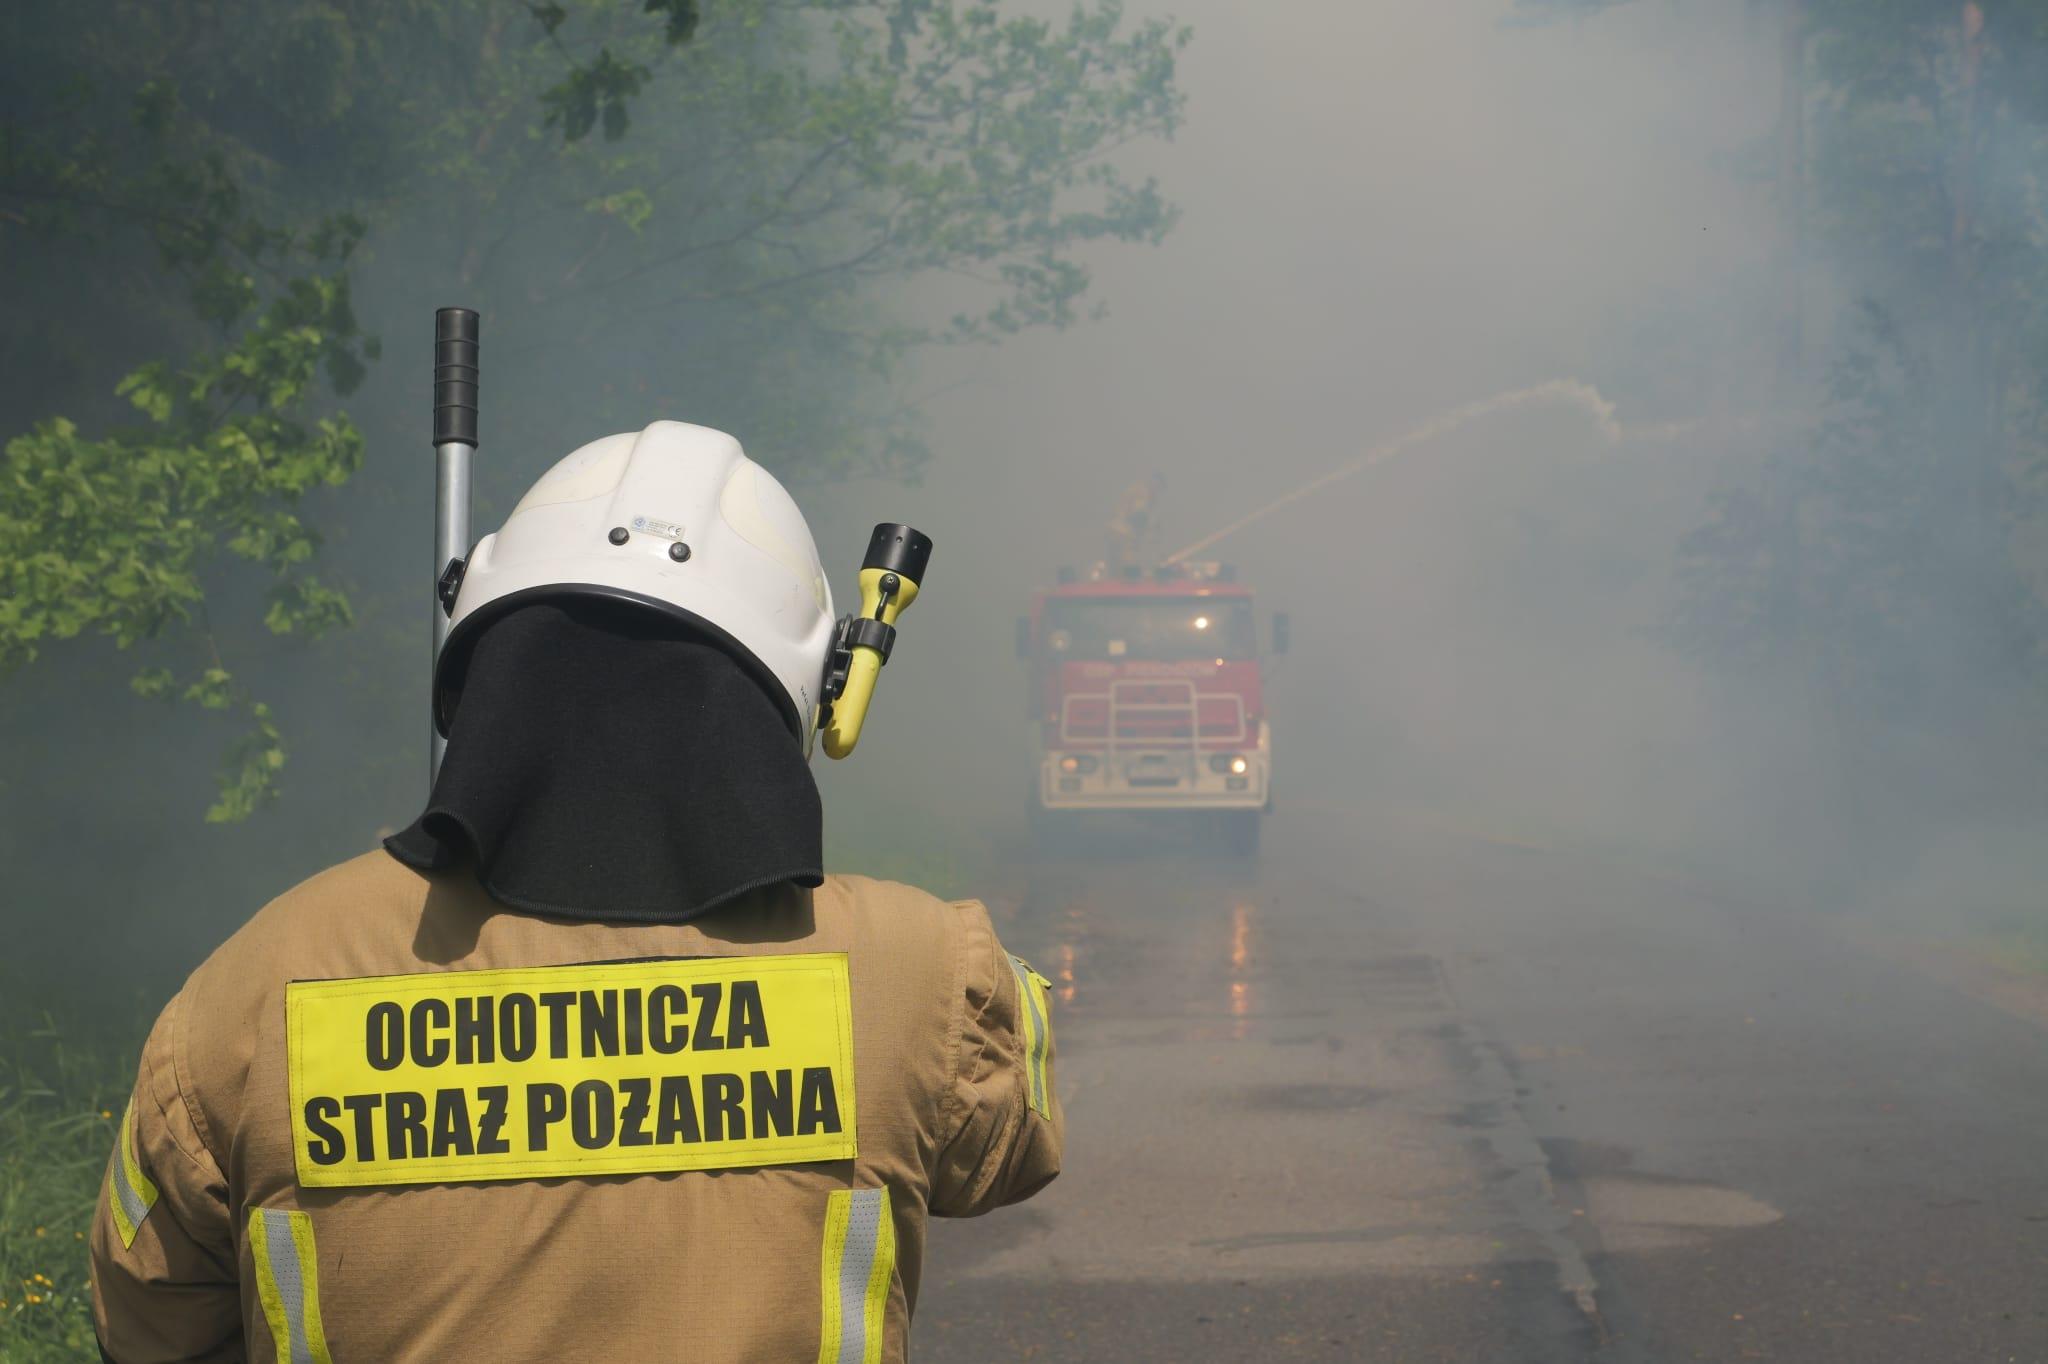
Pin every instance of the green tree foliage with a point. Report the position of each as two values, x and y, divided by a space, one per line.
682 209
114 535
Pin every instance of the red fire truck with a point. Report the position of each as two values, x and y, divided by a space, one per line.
1147 689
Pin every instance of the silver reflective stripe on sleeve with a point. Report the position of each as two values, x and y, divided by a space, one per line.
130 1195
133 1209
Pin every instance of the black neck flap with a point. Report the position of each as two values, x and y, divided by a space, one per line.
601 767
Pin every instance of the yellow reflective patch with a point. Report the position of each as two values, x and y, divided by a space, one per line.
859 1267
130 1195
125 1226
630 1068
1034 1009
288 1283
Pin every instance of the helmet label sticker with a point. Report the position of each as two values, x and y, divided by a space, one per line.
562 1071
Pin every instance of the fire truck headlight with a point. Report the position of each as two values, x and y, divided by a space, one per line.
1077 762
1230 762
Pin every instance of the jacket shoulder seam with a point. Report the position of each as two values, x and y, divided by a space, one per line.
193 1113
173 1070
959 1067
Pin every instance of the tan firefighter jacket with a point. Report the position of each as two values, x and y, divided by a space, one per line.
389 1121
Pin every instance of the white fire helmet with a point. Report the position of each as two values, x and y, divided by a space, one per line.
676 519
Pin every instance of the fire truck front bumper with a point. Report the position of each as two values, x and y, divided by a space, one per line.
1156 779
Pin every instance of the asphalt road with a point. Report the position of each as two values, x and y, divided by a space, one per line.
1421 1095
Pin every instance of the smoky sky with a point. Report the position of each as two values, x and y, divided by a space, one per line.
1392 209
1389 209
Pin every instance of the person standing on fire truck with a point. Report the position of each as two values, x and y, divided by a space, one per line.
592 1061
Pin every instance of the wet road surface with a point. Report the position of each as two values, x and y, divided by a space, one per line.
1425 1095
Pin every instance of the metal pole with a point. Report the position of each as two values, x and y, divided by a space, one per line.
455 364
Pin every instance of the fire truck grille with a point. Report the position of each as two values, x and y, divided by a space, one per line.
1154 713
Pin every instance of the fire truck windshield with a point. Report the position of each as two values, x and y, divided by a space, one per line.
1152 628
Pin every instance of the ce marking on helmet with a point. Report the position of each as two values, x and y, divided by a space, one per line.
651 525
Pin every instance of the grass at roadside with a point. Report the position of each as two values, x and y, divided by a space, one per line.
62 1086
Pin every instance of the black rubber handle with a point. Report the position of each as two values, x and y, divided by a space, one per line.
455 338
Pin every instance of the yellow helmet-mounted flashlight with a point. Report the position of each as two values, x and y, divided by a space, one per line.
889 578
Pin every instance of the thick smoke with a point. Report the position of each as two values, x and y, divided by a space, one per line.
1493 312
1393 213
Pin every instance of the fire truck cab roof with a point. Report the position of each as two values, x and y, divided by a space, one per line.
1171 580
